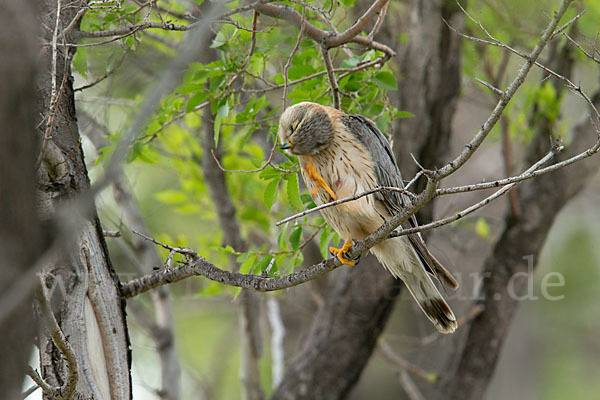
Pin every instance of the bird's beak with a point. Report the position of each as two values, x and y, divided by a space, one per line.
286 146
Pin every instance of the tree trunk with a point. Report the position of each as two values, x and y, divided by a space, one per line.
82 285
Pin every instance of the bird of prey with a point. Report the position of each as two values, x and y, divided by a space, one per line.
342 155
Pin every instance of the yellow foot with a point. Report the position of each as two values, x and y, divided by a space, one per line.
340 253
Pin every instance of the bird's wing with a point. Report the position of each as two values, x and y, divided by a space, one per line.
387 174
384 164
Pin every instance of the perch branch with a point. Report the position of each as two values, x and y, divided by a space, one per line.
345 200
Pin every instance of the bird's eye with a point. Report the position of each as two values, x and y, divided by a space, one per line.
295 125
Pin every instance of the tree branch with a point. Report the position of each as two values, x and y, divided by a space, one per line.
530 60
131 29
329 39
198 266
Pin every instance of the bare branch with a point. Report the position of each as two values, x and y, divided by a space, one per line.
288 63
530 60
379 21
477 206
130 30
103 77
345 200
493 88
335 90
350 33
569 23
387 353
180 250
580 47
250 52
326 38
198 266
524 176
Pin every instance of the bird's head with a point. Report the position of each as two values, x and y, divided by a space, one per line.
305 129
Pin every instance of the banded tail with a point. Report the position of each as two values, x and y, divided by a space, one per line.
414 267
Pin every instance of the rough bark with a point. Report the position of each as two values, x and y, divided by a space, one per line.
84 288
345 331
20 227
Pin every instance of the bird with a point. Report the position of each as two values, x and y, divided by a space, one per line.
342 155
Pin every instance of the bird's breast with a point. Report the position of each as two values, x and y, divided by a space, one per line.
347 168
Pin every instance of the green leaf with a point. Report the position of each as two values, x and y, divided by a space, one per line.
80 61
248 264
404 114
326 236
195 100
269 173
383 122
271 193
295 237
293 192
221 113
385 80
219 41
482 228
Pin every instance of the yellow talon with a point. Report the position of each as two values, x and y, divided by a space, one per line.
311 172
340 253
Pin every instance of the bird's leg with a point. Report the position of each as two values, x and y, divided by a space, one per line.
311 172
341 253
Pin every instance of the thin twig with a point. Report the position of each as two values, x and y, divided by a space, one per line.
386 351
53 93
493 88
379 22
335 90
569 23
288 63
250 52
522 177
356 29
48 389
74 21
585 53
476 206
130 30
530 60
30 391
328 39
180 250
106 75
345 200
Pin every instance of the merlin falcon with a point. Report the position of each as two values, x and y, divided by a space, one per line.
342 155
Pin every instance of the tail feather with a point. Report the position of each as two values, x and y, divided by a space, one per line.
431 302
400 258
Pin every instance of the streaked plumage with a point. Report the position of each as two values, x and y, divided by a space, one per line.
342 155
